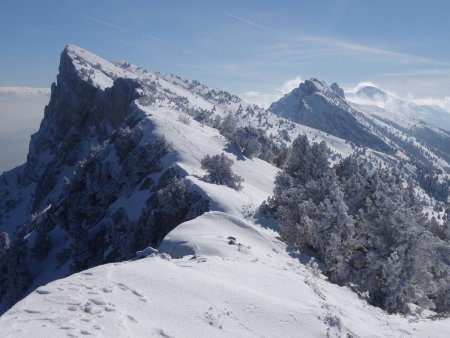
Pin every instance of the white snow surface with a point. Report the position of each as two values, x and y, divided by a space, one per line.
209 288
221 274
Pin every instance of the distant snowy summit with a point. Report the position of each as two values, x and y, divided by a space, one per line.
401 111
318 106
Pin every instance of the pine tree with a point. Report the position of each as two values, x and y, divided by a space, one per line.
246 139
219 171
228 126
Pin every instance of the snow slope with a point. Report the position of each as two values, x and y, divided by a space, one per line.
210 288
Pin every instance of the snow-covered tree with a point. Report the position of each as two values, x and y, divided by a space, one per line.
369 229
307 161
228 126
247 140
218 168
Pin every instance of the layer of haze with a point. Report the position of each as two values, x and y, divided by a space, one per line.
20 116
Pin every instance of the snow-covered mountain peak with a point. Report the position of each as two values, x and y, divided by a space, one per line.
91 68
117 169
371 92
311 87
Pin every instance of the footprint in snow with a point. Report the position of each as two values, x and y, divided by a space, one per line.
131 318
198 259
107 289
137 293
213 318
31 311
163 334
124 287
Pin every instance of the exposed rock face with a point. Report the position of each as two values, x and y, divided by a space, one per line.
77 111
338 90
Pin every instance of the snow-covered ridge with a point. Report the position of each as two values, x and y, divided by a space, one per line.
395 129
127 169
92 68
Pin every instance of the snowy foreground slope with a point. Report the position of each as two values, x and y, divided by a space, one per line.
215 289
221 273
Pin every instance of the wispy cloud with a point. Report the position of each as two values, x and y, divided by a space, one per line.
443 103
360 85
418 72
295 45
123 29
251 23
265 99
109 24
24 91
152 37
403 57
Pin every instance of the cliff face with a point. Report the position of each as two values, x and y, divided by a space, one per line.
78 111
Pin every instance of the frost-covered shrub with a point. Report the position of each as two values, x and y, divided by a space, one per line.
252 142
247 140
184 118
172 204
219 171
228 126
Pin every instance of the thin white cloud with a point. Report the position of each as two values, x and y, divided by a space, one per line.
98 21
109 24
289 85
291 46
443 103
266 99
152 37
24 91
402 57
418 72
360 85
251 23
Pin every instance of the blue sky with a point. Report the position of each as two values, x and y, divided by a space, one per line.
242 46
